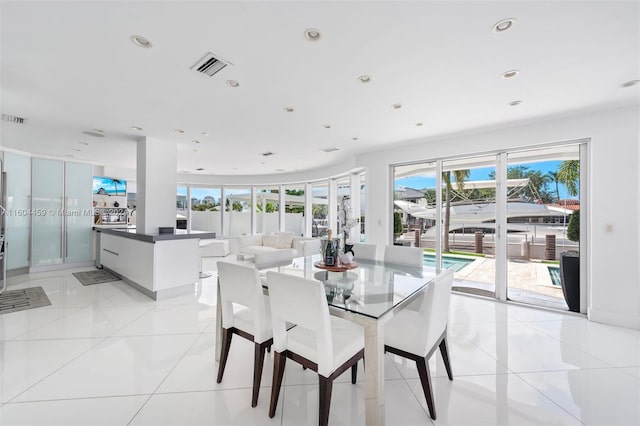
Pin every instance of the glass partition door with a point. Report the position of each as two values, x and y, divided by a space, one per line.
47 202
77 215
18 168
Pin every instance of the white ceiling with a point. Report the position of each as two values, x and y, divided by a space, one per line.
71 66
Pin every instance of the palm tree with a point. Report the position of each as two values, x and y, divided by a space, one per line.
569 176
115 184
460 176
553 177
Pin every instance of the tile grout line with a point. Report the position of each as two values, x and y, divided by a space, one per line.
155 391
568 344
546 397
100 341
406 383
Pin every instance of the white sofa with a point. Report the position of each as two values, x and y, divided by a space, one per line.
282 241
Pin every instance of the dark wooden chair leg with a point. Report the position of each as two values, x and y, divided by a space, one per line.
444 350
326 386
226 345
258 362
354 373
279 361
425 379
269 348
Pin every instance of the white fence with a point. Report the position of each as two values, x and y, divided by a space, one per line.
239 223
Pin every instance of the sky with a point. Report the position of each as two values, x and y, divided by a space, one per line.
482 173
416 182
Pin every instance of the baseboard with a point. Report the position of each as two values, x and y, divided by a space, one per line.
614 318
17 271
62 266
155 295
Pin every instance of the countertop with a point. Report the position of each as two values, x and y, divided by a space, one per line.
178 234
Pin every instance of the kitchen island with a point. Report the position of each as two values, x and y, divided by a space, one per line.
158 265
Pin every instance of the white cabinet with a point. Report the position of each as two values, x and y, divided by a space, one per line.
158 269
61 214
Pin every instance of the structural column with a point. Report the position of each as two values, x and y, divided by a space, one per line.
156 185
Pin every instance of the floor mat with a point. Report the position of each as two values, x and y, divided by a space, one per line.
22 299
95 277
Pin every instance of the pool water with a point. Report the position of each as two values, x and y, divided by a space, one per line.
554 271
447 262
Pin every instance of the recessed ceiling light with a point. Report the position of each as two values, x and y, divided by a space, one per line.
419 124
180 131
70 155
279 170
140 41
396 106
515 103
136 128
510 74
195 141
94 133
288 109
355 139
631 83
312 34
364 78
503 25
75 149
327 126
232 83
204 134
195 150
200 169
83 143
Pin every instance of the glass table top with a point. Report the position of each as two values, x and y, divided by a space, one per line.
372 289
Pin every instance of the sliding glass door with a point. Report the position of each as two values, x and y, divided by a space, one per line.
509 222
546 184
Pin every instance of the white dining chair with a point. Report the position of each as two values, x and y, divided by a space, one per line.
400 255
322 343
241 285
417 335
366 252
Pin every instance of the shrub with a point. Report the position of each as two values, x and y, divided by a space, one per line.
397 223
573 230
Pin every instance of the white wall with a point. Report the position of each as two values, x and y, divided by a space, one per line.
613 257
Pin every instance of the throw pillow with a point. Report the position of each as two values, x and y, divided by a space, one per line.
270 240
284 240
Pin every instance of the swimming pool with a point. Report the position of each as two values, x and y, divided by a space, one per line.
456 263
554 271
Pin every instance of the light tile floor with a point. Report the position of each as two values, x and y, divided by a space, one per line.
105 354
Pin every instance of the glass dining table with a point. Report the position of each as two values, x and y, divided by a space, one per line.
369 295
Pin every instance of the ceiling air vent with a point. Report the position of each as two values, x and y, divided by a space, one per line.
268 154
209 65
328 150
13 119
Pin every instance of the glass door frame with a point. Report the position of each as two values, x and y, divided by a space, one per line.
501 284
